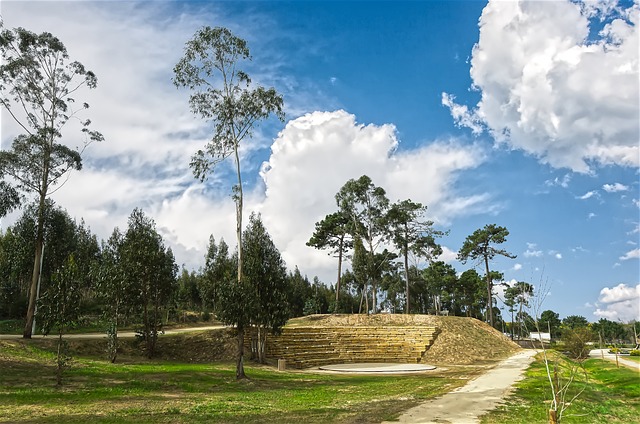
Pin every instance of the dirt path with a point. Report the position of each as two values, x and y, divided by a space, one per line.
466 404
122 334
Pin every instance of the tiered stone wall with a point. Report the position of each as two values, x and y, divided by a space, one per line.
313 346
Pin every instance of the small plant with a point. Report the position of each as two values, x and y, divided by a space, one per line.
634 352
614 350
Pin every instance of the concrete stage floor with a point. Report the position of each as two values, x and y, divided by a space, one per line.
377 368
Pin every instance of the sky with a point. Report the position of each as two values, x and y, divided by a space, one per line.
521 114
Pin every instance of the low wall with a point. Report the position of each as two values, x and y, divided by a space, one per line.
313 346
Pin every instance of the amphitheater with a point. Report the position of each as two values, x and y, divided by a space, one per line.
385 338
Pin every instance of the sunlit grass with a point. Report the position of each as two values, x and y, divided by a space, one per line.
97 391
609 395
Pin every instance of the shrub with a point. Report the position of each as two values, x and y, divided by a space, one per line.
634 352
575 342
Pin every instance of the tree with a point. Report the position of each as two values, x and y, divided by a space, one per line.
333 232
366 205
470 292
519 294
115 291
441 281
574 321
266 273
151 270
37 85
611 331
222 94
299 292
219 268
60 308
411 233
479 246
550 321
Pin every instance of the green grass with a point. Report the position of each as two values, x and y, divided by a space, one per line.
158 392
632 358
610 395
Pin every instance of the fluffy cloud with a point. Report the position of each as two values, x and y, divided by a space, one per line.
612 188
517 267
620 303
317 153
551 90
632 254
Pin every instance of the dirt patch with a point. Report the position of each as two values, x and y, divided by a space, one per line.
461 340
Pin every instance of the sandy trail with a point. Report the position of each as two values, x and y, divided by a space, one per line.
478 396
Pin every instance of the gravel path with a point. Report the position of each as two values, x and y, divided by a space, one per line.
478 396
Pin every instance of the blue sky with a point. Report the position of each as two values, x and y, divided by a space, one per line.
523 114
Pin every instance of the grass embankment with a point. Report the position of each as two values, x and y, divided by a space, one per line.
156 392
610 395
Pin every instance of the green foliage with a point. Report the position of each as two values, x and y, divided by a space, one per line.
150 271
37 82
610 331
550 321
634 352
410 232
299 292
219 269
265 270
59 309
574 321
366 206
479 246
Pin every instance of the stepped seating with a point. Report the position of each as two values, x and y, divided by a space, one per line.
304 347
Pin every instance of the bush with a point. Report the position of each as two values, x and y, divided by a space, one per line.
575 342
634 352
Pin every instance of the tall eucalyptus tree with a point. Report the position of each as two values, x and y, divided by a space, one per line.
38 83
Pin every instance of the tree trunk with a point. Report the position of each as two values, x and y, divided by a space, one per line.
59 363
340 247
35 276
239 201
240 355
406 276
489 297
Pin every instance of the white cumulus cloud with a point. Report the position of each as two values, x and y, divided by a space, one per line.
550 90
632 254
621 302
317 153
612 188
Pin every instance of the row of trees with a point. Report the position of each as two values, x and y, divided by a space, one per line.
366 225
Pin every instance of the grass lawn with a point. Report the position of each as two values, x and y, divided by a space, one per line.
611 395
157 392
632 358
